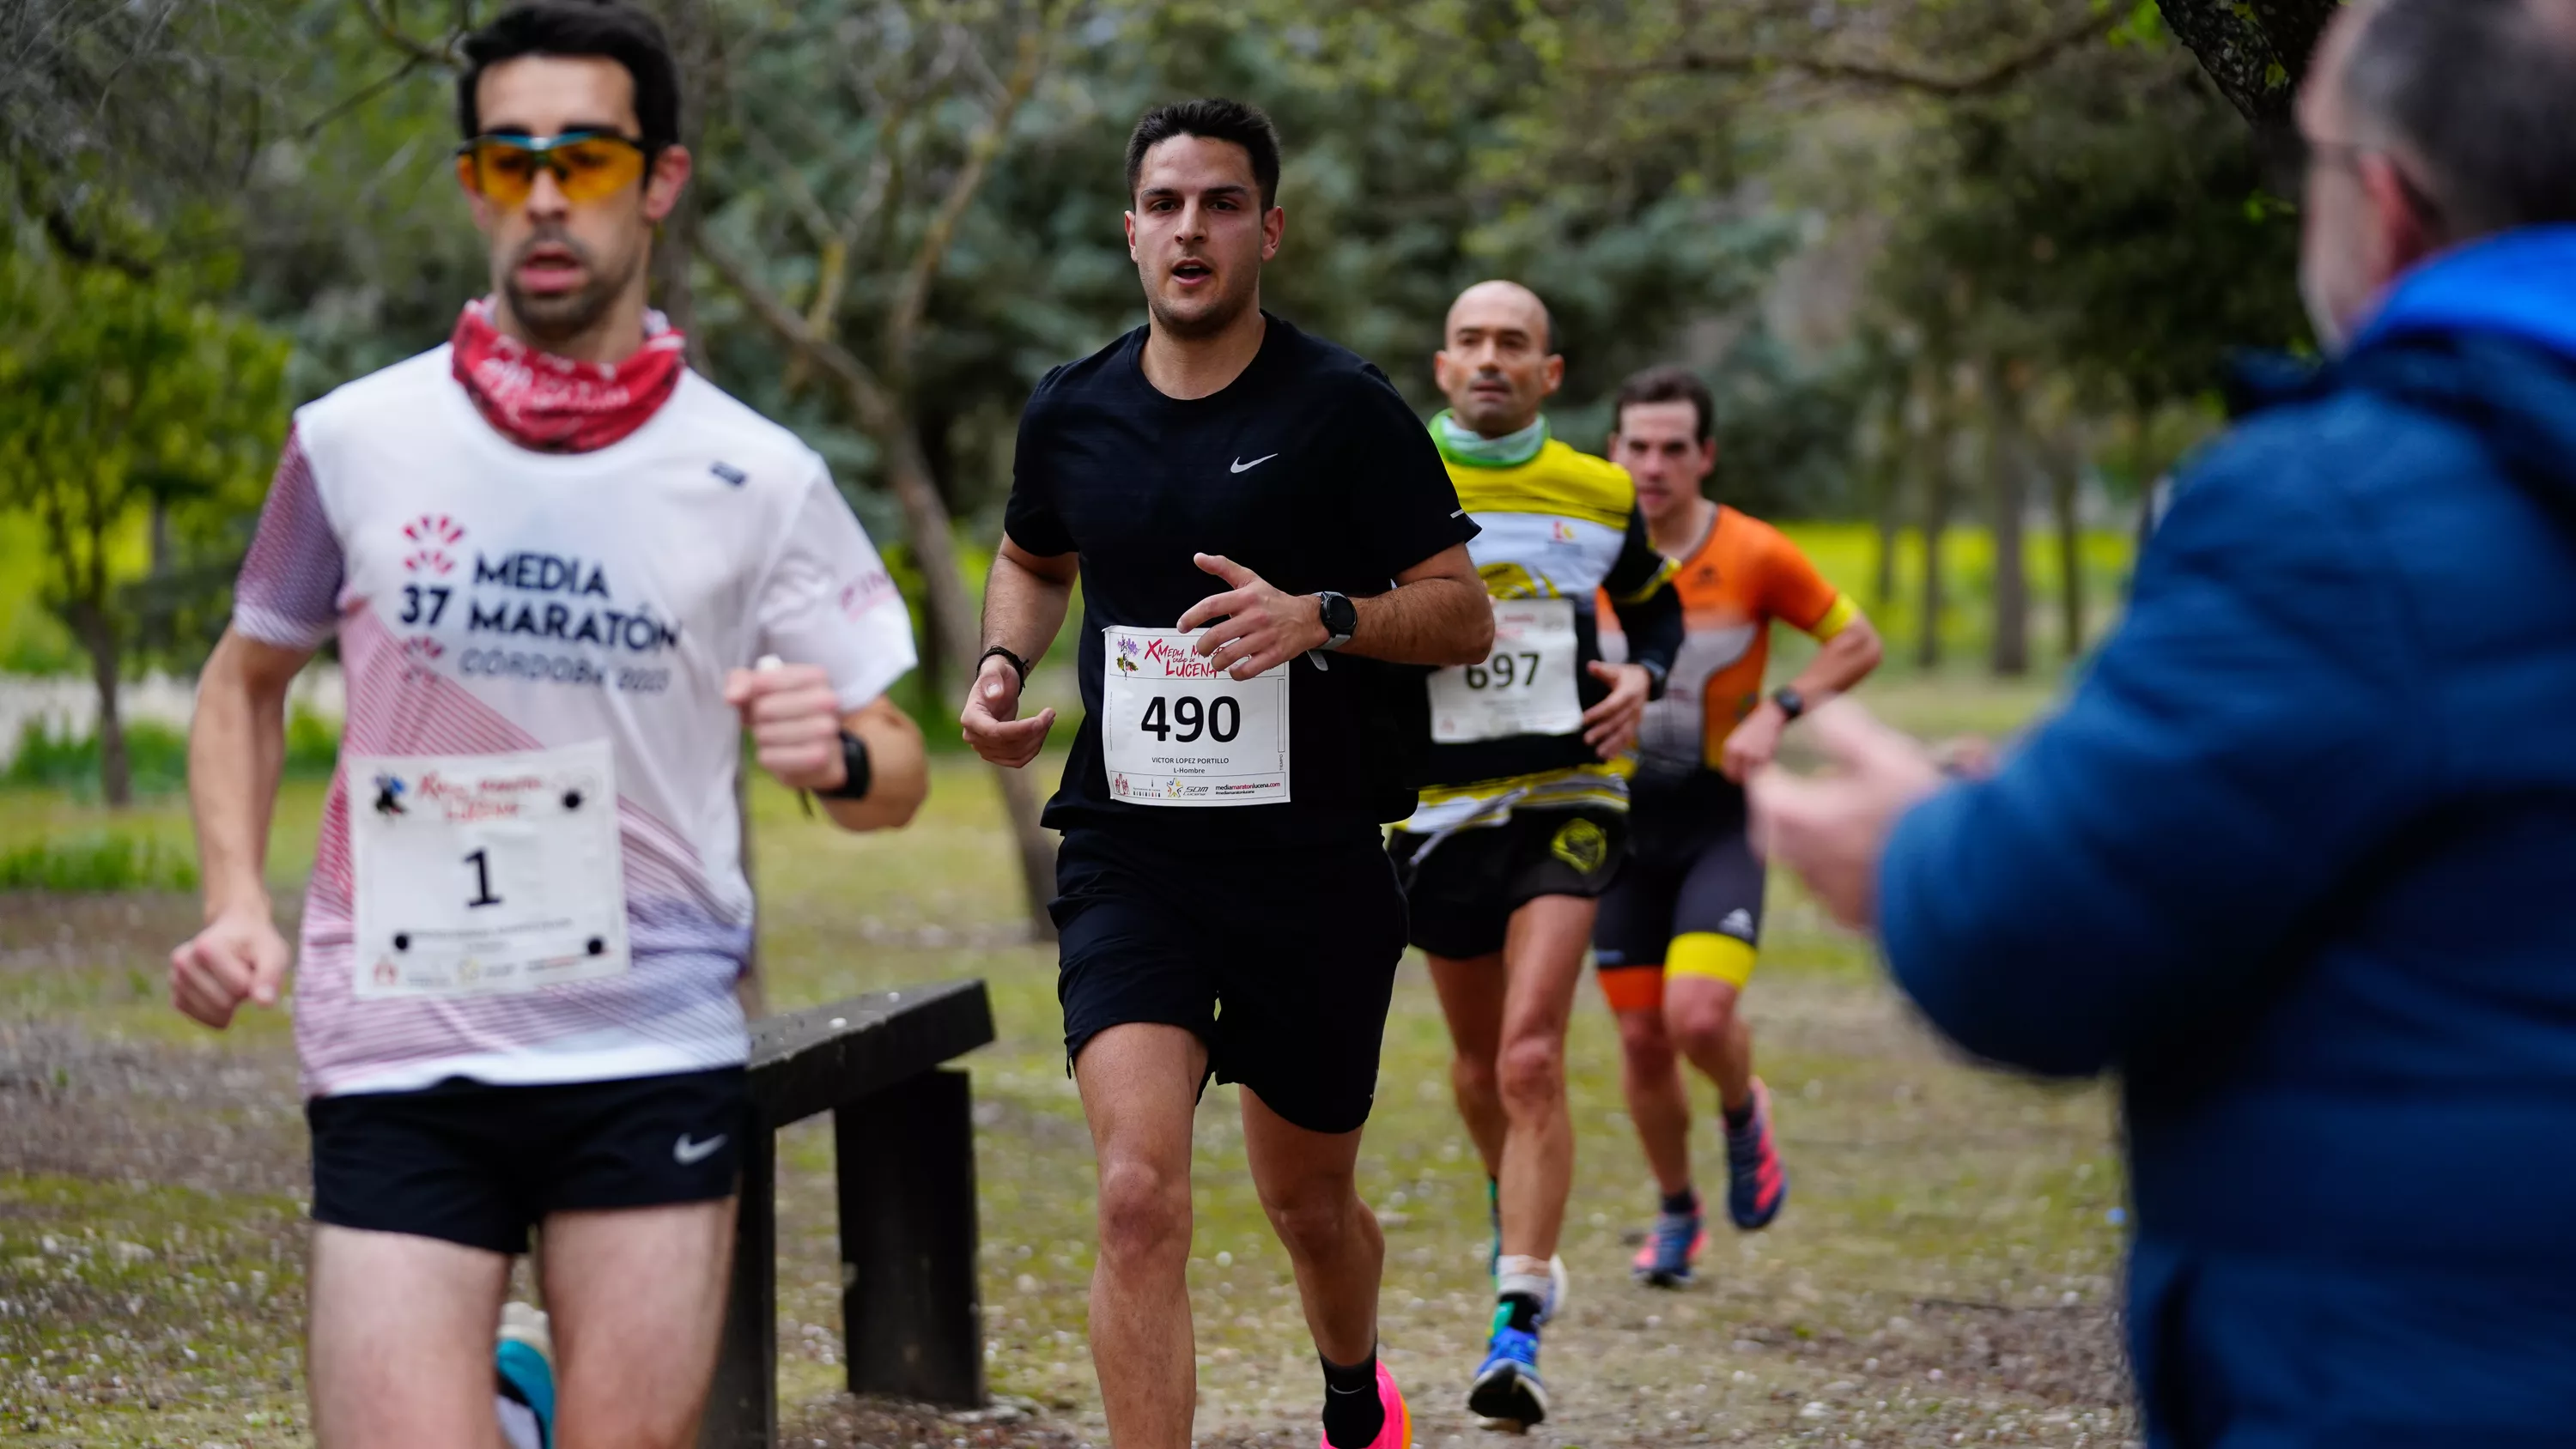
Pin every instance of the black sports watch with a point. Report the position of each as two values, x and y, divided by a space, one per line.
854 761
1341 618
1791 702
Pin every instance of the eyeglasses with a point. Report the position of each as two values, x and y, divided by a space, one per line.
587 165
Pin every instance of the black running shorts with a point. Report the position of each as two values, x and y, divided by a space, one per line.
476 1164
1282 960
1692 873
1462 891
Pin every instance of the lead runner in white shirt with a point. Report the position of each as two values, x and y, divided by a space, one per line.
402 1326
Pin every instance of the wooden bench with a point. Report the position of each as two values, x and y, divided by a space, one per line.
904 1150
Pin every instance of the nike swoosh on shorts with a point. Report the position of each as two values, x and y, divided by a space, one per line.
690 1154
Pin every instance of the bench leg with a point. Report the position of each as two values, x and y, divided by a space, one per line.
742 1408
909 1308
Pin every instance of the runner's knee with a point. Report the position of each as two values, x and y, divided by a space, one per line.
1473 1077
1644 1044
1532 1073
1701 1021
1316 1219
1144 1211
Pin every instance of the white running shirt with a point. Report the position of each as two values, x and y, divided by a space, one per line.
493 600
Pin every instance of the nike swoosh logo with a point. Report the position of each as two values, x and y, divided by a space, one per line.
690 1154
1330 1389
1241 466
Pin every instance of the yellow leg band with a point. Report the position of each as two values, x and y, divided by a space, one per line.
1711 956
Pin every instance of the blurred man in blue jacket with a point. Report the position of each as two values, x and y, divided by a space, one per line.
2299 857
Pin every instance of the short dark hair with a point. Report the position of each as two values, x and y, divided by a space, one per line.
2483 94
1210 118
1664 385
613 29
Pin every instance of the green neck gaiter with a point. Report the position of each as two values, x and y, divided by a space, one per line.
1464 447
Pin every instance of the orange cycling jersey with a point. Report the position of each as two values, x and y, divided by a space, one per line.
1742 575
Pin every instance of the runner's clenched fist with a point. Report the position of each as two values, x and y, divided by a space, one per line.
1258 627
795 722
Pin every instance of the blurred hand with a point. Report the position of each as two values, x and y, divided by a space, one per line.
238 957
992 719
1832 829
1258 627
1968 757
794 716
1753 743
1610 727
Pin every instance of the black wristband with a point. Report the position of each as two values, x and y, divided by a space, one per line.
1019 666
854 764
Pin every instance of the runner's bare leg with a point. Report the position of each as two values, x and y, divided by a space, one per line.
1308 1185
1471 997
400 1340
1140 1086
637 1298
1658 1100
1543 957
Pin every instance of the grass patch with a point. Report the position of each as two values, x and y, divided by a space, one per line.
94 863
1941 1218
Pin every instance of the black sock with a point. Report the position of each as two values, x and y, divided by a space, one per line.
1523 1310
1684 1201
1352 1414
1739 1118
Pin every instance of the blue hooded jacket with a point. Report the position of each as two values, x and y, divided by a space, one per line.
2298 859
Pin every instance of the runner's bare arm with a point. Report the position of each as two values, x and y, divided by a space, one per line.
898 770
1024 606
795 720
236 752
1843 661
1436 614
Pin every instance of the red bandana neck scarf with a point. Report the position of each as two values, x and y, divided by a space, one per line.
553 404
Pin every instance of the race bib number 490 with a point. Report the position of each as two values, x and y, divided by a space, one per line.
486 874
1524 687
1174 731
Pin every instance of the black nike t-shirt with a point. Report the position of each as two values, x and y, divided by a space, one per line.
1307 469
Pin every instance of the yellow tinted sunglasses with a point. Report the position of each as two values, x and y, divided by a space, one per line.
587 165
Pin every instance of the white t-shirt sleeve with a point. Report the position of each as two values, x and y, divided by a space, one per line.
289 590
828 600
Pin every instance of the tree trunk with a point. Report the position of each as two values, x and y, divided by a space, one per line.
1887 496
952 624
97 634
2065 466
1936 515
2007 479
2256 52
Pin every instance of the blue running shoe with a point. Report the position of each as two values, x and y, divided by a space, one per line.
525 1380
1672 1248
1507 1387
1756 1185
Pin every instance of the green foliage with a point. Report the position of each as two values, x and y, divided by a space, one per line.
2109 218
157 754
89 863
140 398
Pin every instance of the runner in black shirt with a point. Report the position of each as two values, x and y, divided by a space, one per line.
1269 549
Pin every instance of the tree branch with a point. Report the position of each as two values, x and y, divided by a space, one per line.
872 403
394 35
903 326
1883 74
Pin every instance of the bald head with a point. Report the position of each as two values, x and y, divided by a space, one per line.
1499 301
1495 364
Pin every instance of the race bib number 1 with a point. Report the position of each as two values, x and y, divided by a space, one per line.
486 874
1524 687
1175 732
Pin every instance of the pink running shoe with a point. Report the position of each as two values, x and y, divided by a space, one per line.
1398 1430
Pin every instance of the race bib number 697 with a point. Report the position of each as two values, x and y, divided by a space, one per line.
1174 731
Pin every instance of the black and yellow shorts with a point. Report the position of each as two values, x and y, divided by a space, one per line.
1460 893
1690 901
